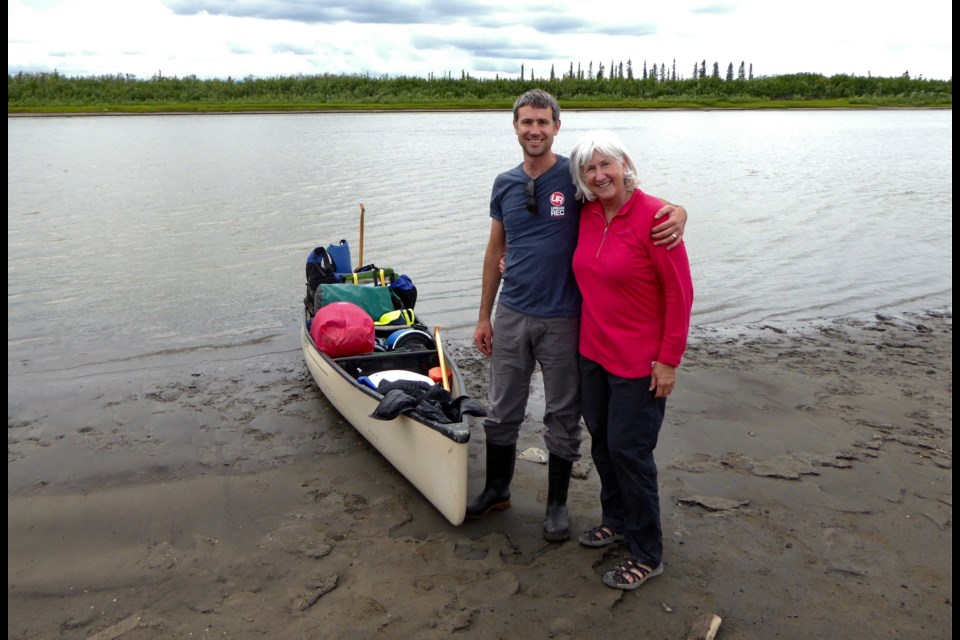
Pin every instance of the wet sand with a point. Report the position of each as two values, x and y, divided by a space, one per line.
806 491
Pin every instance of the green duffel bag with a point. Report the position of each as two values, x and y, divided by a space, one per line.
376 301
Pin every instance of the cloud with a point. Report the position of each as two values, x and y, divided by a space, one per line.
398 12
720 9
484 46
220 38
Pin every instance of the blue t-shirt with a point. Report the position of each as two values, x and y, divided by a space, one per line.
538 280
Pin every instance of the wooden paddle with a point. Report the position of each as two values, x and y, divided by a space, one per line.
443 363
362 210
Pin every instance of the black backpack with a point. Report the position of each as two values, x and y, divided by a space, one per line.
320 270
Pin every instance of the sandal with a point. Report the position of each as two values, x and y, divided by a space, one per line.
630 574
600 536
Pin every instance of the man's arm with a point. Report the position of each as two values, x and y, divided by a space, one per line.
496 247
670 231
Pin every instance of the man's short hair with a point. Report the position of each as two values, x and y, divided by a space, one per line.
537 98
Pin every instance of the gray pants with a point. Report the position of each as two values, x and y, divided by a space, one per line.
520 342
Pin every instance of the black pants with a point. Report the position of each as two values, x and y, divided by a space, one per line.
624 419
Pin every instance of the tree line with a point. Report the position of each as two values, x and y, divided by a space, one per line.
607 86
655 73
661 73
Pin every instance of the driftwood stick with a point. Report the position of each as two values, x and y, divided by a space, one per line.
705 627
117 630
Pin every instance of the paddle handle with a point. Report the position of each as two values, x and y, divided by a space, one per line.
443 362
362 211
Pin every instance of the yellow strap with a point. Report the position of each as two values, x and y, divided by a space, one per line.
391 316
355 279
383 281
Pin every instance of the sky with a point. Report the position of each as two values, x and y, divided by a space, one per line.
481 38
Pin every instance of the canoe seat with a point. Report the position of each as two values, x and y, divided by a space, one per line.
416 360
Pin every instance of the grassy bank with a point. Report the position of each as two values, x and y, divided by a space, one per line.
51 93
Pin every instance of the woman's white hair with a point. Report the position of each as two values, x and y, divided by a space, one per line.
606 143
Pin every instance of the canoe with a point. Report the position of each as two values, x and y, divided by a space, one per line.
431 455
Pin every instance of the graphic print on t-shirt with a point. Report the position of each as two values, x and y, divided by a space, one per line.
556 204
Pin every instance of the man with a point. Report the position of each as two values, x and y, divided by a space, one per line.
535 220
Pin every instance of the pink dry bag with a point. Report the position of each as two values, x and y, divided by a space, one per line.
342 329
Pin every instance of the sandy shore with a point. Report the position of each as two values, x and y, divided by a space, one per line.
806 478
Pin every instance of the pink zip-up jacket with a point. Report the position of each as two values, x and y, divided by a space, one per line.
637 297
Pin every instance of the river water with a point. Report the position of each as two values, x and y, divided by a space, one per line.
130 237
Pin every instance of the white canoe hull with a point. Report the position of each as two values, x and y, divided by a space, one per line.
431 456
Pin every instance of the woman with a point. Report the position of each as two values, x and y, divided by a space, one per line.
637 299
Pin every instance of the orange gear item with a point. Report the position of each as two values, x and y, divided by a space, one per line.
436 376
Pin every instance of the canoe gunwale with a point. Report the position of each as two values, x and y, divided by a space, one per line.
458 432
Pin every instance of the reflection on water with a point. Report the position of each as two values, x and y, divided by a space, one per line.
138 235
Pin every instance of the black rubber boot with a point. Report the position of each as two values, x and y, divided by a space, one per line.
556 526
496 493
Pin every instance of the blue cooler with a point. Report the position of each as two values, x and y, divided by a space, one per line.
340 254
